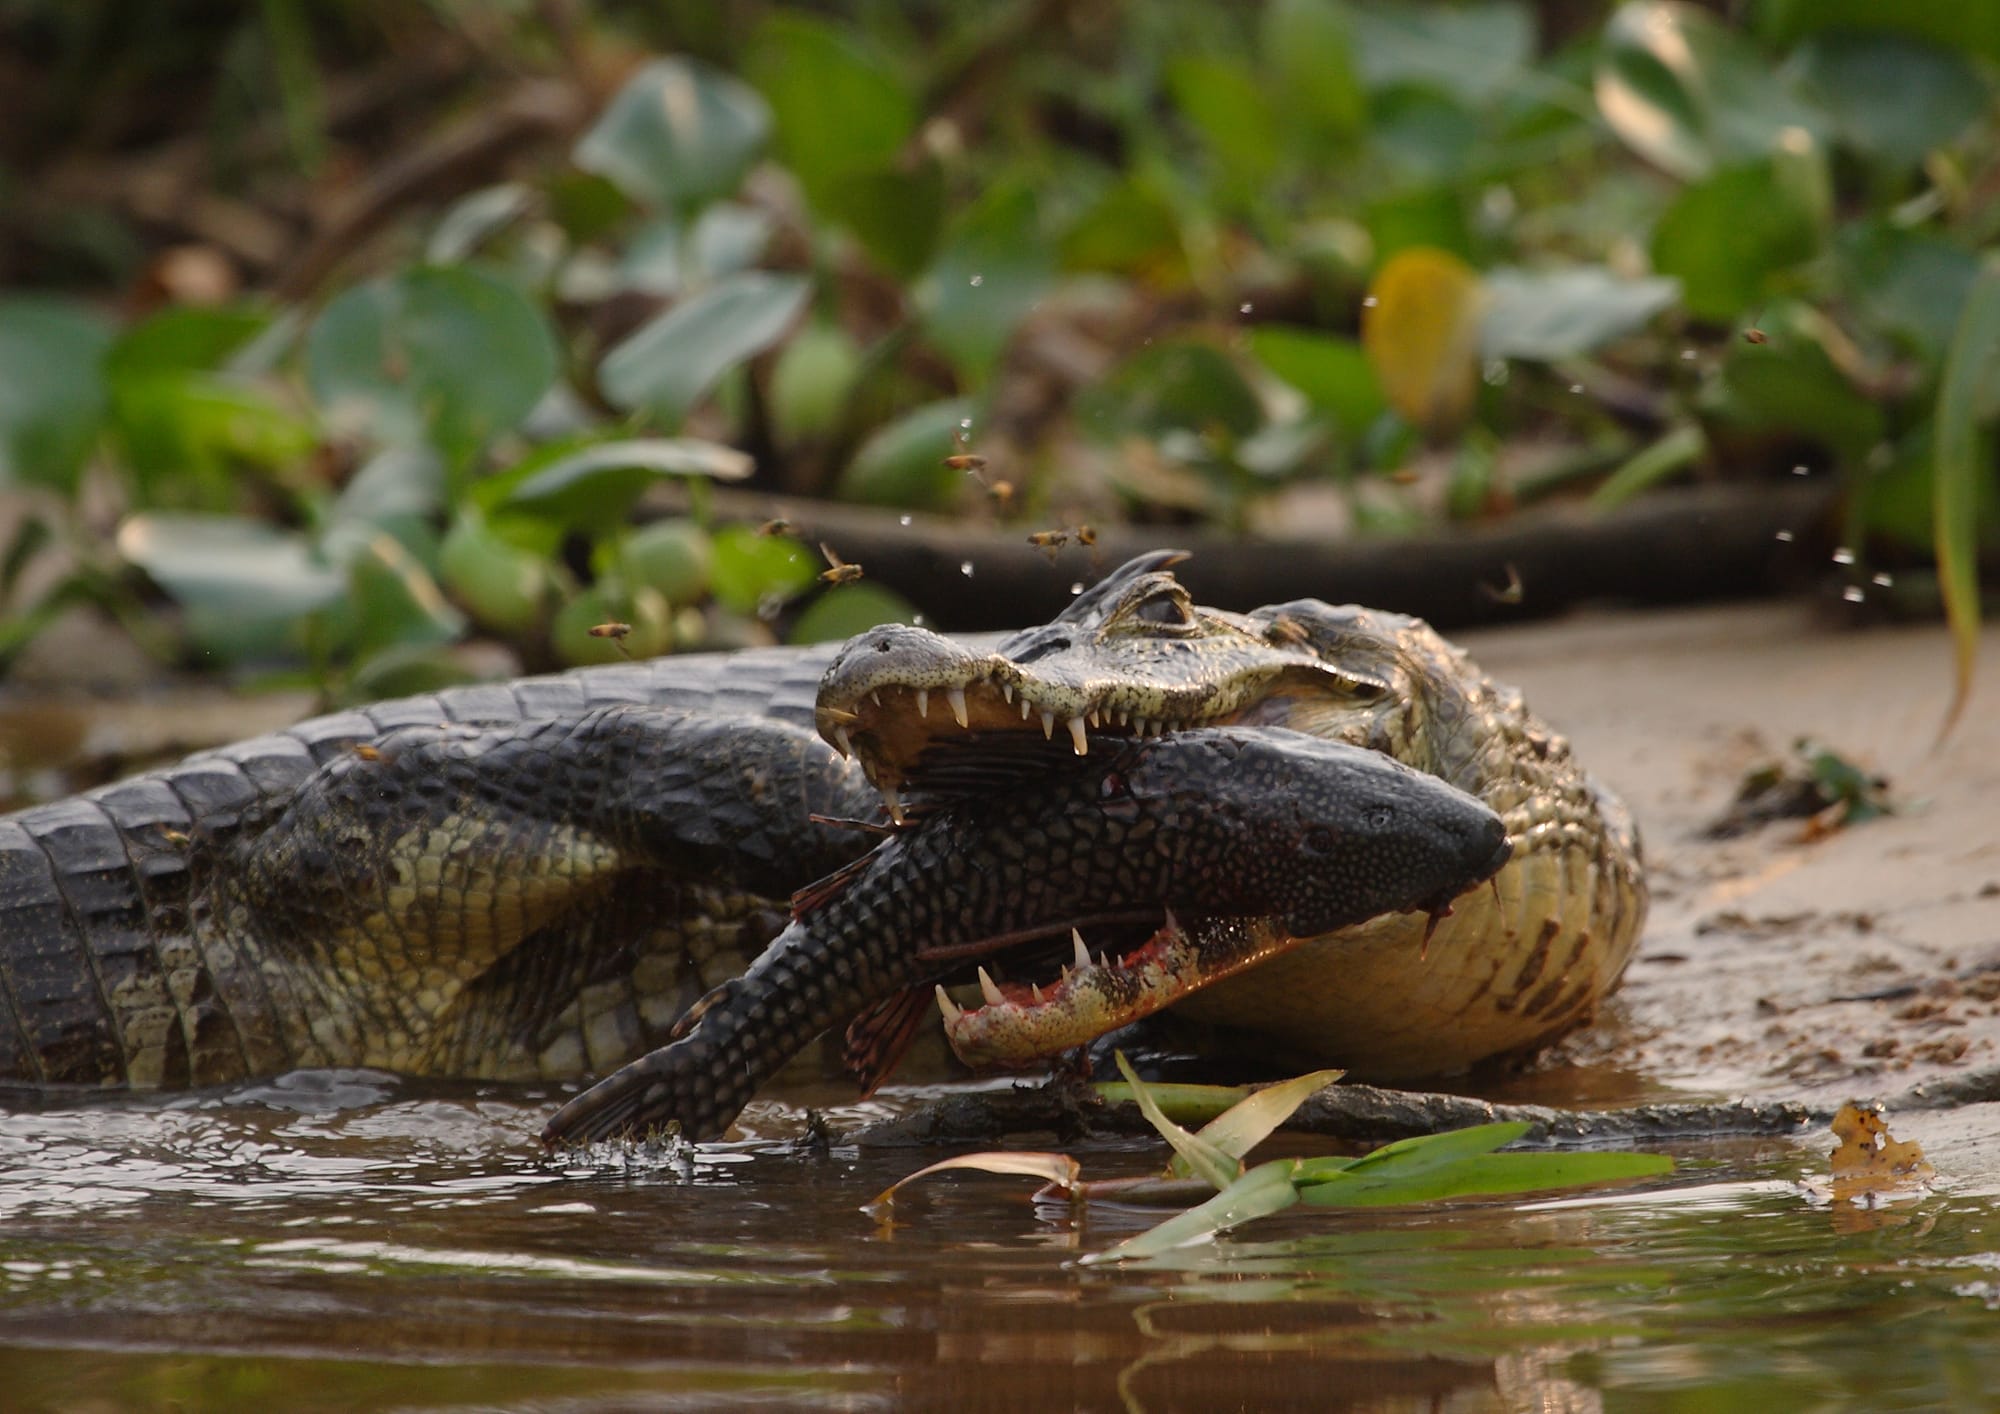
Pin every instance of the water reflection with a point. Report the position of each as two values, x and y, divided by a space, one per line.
342 1240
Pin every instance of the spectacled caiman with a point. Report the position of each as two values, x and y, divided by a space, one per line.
536 879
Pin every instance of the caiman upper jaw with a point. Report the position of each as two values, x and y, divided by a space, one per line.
895 689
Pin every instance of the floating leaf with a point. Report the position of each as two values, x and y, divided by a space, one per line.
1198 1156
1485 1175
1422 335
1264 1190
1869 1160
1964 458
679 133
51 388
445 354
1563 313
1425 1152
670 362
1059 1170
848 609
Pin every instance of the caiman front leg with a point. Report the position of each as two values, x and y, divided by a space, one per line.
530 900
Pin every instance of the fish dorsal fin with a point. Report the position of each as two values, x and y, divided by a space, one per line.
821 892
879 1036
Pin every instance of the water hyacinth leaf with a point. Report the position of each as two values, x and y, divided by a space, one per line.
243 584
1264 1190
812 382
1308 46
596 485
1966 406
472 221
848 609
672 361
896 211
1182 386
1422 335
396 484
1562 313
1058 1170
839 109
725 238
443 354
1200 1157
751 569
678 134
1481 1175
1792 383
990 270
1729 238
1909 284
902 464
1246 1125
52 395
1473 52
1688 93
1890 96
392 600
1230 108
1426 1152
1970 29
185 338
185 435
1132 229
1334 373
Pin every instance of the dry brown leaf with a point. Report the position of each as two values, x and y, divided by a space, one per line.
1058 1170
1870 1160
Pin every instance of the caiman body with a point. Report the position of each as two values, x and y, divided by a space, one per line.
534 880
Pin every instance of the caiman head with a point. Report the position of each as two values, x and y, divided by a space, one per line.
1134 656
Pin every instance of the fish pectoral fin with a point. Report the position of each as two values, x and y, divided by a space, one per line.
822 892
879 1036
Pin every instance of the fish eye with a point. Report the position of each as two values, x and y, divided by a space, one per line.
1380 817
1112 786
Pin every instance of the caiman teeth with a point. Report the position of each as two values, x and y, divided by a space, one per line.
1124 718
1025 709
1007 691
894 802
1048 726
923 702
1082 952
956 697
840 740
1035 990
877 696
951 1009
1076 737
990 990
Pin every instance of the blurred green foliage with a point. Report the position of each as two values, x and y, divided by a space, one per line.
1172 258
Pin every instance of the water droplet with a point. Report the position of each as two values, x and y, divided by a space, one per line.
1244 308
1576 387
977 281
965 424
1495 372
1687 355
965 568
1883 580
1786 536
1076 587
902 520
1852 594
1370 302
917 620
1800 471
1843 556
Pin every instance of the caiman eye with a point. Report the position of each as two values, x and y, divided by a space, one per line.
1166 609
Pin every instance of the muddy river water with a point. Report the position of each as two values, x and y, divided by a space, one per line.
351 1240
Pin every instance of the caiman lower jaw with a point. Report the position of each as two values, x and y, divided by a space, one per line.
1021 1023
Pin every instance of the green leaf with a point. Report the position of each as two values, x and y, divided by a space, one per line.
1249 1123
1474 52
1891 97
1967 28
896 212
1682 446
1194 1155
473 220
1264 1190
595 486
1565 312
1964 459
839 109
1730 237
678 134
1131 229
1306 44
1689 94
751 568
1232 111
848 609
392 601
725 238
185 435
1790 384
1179 386
184 338
442 354
1332 372
243 583
1909 284
52 395
1484 1174
1426 1152
669 363
902 464
991 270
812 382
